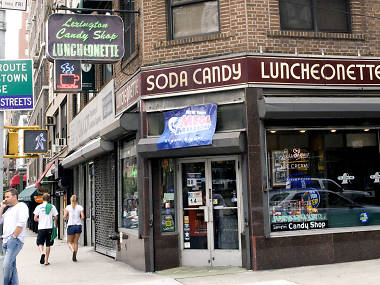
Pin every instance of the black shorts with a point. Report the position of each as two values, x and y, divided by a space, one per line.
44 236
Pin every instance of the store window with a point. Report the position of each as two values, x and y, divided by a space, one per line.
322 179
168 205
193 17
129 28
315 15
129 194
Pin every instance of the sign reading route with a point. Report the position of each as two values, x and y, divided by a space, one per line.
16 85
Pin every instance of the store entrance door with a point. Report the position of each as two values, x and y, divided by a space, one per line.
211 214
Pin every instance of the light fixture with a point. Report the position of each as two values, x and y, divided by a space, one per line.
302 131
366 130
273 131
333 131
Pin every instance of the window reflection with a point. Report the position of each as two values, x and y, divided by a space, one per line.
320 179
128 163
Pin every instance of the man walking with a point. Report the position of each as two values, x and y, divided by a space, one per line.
44 215
14 220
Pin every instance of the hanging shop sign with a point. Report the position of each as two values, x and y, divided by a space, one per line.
67 76
19 5
192 126
16 85
96 38
128 94
88 77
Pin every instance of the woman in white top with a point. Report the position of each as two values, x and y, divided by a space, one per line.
75 214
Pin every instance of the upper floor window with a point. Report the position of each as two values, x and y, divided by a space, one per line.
193 17
315 15
106 73
129 27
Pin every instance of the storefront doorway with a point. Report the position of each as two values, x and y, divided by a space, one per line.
210 211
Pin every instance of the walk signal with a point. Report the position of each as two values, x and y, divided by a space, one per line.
35 141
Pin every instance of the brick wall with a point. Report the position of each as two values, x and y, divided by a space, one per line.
105 200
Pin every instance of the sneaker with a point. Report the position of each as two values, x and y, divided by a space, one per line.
42 259
74 256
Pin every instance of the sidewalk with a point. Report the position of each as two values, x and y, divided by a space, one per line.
94 268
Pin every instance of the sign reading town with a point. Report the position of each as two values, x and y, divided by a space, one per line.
96 38
13 5
16 85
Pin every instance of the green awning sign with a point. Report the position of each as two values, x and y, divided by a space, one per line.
16 84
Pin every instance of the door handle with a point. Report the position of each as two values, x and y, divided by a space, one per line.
205 213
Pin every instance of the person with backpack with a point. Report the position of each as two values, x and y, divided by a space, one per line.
46 215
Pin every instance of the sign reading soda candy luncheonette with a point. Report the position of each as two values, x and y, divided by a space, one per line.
191 126
98 38
16 84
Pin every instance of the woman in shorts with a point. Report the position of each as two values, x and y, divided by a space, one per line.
75 214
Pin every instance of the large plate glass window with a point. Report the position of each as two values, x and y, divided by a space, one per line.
129 194
323 179
193 17
315 15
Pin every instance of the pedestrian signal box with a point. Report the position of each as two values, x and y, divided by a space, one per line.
36 141
12 147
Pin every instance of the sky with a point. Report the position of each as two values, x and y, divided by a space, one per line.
13 19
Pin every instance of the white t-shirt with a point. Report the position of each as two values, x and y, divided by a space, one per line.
15 216
74 215
45 221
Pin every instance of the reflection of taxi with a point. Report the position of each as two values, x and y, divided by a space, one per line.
340 211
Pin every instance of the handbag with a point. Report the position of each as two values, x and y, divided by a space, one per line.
54 233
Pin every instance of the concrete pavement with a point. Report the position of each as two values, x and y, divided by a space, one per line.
94 268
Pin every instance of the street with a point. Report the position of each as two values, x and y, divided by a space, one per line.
94 268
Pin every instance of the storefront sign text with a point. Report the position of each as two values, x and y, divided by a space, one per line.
296 226
85 37
313 71
194 77
128 94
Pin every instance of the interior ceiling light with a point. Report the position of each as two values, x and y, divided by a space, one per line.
366 130
333 131
273 132
302 131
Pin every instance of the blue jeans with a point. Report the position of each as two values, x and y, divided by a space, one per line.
10 251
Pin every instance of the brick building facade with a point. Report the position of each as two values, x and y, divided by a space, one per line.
290 80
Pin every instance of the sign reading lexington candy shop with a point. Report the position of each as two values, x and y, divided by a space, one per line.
97 38
191 126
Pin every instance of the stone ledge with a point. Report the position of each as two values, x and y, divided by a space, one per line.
316 35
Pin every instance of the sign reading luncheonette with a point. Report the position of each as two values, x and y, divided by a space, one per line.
128 94
262 70
96 38
313 71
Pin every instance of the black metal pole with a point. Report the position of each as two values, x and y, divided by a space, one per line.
96 10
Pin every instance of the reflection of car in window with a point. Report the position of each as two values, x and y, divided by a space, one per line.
362 197
340 210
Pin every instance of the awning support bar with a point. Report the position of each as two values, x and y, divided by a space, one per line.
76 10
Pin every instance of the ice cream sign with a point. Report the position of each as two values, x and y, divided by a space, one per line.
191 126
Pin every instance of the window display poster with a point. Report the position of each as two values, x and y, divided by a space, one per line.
194 181
191 126
167 223
195 198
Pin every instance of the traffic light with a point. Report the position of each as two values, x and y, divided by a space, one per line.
12 147
35 141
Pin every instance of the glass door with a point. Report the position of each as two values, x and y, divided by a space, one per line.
210 212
